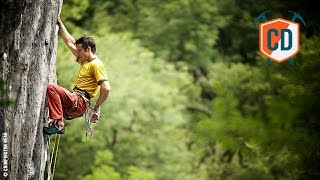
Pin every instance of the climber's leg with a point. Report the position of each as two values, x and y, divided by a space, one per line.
58 99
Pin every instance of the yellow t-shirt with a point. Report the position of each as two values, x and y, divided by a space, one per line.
90 74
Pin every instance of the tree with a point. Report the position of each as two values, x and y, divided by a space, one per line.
27 48
173 30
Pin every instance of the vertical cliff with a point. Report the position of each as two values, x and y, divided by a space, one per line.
28 44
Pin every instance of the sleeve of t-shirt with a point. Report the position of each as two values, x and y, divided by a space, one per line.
99 72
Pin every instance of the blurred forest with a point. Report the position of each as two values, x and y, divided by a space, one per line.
192 97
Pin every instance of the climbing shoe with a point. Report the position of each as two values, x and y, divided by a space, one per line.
52 130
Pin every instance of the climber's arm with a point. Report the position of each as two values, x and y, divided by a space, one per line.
67 38
104 93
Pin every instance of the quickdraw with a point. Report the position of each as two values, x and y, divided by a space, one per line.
88 113
87 118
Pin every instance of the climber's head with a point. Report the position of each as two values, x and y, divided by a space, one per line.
86 48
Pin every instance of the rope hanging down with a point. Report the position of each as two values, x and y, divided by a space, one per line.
54 154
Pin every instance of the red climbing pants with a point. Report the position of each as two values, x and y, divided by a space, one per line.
63 103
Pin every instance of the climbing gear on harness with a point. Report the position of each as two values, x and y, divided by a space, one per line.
87 118
83 92
54 154
89 113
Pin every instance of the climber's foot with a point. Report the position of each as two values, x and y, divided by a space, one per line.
53 130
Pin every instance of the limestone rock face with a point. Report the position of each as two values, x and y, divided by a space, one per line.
28 43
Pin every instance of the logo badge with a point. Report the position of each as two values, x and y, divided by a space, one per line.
279 39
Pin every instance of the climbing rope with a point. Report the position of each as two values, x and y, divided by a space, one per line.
54 153
87 119
88 113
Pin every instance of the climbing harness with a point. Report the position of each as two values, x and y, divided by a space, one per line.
53 157
88 113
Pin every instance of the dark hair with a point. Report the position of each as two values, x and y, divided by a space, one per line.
87 42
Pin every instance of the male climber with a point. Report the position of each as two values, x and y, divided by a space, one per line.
91 80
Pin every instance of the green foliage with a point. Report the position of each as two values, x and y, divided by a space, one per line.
102 168
235 119
139 174
74 10
103 157
103 173
175 30
246 119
